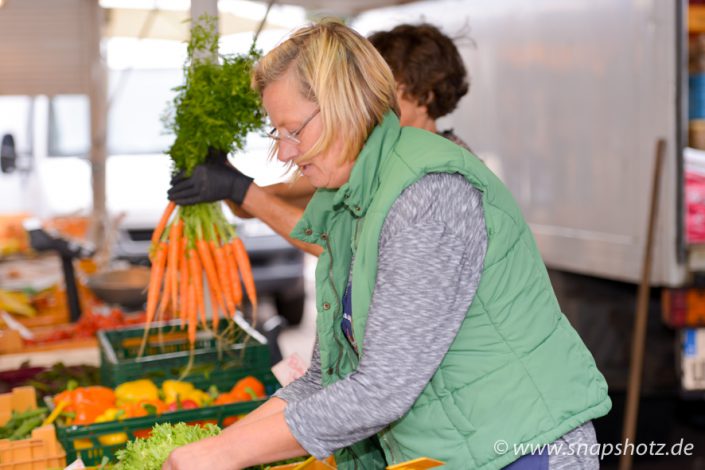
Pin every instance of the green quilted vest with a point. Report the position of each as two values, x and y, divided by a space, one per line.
516 371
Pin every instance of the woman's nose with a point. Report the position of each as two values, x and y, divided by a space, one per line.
287 151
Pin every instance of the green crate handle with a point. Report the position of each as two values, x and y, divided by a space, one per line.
107 346
115 369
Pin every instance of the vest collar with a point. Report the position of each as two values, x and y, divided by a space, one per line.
357 193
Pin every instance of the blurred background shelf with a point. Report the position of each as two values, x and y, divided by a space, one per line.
85 354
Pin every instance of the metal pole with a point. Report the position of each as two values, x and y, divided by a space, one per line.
636 365
260 27
200 7
98 106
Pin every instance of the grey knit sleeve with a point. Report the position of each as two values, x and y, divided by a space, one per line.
432 249
305 385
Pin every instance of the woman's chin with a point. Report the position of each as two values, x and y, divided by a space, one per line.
313 178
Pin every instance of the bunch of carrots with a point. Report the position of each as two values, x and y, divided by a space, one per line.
194 250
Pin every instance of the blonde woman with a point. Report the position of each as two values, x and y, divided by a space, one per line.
438 333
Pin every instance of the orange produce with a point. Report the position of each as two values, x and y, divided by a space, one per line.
225 398
86 403
192 244
251 386
143 408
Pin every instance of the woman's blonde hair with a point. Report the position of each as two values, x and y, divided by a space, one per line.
343 73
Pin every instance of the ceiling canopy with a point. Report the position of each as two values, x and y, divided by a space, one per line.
343 7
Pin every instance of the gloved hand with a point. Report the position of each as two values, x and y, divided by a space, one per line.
212 181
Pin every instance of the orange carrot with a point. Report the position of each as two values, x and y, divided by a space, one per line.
155 282
231 265
155 286
185 312
166 295
243 264
157 234
191 312
211 276
172 263
183 283
223 275
215 306
196 274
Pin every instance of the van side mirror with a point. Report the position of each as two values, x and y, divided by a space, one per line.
8 155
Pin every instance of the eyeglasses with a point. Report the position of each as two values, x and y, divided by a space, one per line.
292 136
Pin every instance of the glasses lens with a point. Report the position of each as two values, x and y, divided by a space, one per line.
291 138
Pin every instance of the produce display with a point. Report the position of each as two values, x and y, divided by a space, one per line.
94 423
13 238
18 303
151 453
212 113
35 300
195 253
86 326
27 303
97 404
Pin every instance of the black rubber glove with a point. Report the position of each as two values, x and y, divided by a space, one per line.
212 181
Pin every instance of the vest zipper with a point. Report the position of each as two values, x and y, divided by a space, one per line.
356 236
356 459
324 236
384 434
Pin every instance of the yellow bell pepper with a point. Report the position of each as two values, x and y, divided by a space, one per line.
55 414
130 392
111 414
176 390
113 439
81 444
16 302
198 396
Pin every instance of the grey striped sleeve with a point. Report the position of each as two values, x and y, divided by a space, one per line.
578 450
432 249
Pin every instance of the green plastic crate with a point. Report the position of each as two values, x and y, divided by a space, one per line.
68 435
167 355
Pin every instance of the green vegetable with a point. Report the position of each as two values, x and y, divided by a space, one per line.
61 377
151 453
216 106
21 424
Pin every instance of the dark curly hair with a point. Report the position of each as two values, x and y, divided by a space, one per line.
426 63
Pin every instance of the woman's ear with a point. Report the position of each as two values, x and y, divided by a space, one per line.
429 99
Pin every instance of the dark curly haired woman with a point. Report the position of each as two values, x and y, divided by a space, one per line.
430 74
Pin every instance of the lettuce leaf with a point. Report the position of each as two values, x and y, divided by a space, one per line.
152 452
